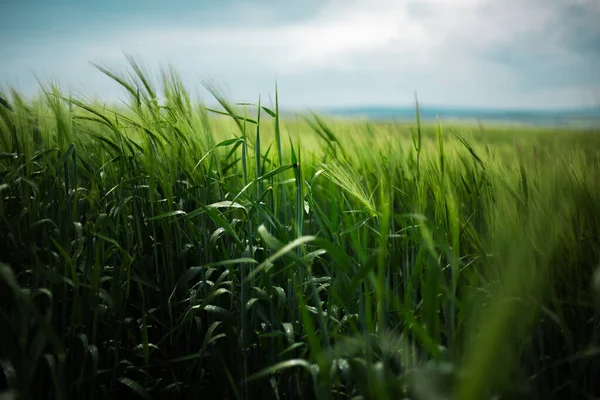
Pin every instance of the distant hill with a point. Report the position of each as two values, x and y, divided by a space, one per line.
538 117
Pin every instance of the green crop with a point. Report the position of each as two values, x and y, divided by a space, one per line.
166 249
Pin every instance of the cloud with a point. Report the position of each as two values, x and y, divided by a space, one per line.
466 52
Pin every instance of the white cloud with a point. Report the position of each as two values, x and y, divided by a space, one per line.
344 31
439 48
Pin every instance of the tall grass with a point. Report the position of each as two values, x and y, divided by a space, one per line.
169 249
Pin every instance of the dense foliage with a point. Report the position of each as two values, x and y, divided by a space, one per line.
164 249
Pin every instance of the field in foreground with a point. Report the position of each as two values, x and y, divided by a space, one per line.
165 250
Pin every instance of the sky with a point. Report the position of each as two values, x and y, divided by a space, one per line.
513 54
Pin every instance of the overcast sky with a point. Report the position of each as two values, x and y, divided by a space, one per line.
482 53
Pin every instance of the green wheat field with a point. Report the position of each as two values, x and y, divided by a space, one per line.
165 249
